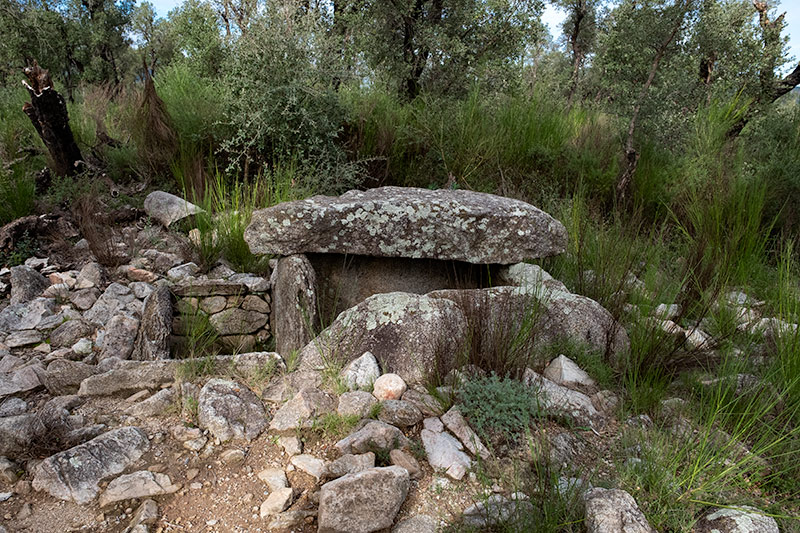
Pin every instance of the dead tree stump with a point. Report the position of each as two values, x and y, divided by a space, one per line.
48 113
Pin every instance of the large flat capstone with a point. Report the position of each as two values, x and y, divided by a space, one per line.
409 222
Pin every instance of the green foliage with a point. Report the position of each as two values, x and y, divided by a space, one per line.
227 212
498 407
334 425
424 44
197 39
525 143
17 196
200 335
293 112
193 368
23 249
194 104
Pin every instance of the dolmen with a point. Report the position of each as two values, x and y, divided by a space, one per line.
413 275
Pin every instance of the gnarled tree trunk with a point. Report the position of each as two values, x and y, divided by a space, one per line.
48 113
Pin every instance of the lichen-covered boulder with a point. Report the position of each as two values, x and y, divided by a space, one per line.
741 520
363 502
409 222
167 208
613 511
75 474
411 335
545 315
230 411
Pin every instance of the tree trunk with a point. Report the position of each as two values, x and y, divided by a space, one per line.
631 154
48 113
577 52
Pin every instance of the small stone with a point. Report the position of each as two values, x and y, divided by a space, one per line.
405 460
433 424
275 478
417 524
23 487
301 410
290 519
137 485
182 272
22 338
230 410
362 372
445 452
195 445
291 445
427 404
348 464
399 413
252 302
141 275
213 304
563 371
192 473
389 387
25 512
82 347
309 464
374 436
276 502
496 509
232 457
356 403
739 520
146 513
167 208
9 471
613 511
363 502
84 299
455 422
91 275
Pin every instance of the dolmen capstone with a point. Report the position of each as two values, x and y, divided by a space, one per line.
402 272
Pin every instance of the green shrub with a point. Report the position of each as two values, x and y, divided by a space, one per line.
498 407
17 195
290 109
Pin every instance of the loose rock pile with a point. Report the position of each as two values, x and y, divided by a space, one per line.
98 420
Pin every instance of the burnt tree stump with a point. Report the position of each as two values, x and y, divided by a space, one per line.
48 113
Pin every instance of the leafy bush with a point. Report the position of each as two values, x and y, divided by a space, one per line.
281 102
498 407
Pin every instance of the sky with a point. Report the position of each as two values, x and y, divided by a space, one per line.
553 18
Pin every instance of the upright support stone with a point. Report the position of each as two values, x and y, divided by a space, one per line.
152 341
294 307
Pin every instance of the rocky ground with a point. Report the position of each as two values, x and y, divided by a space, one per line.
101 430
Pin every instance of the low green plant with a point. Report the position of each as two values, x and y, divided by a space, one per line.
193 368
24 248
17 195
200 336
334 425
498 408
723 447
375 410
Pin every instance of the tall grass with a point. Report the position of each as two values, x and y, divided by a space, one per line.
228 207
525 145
